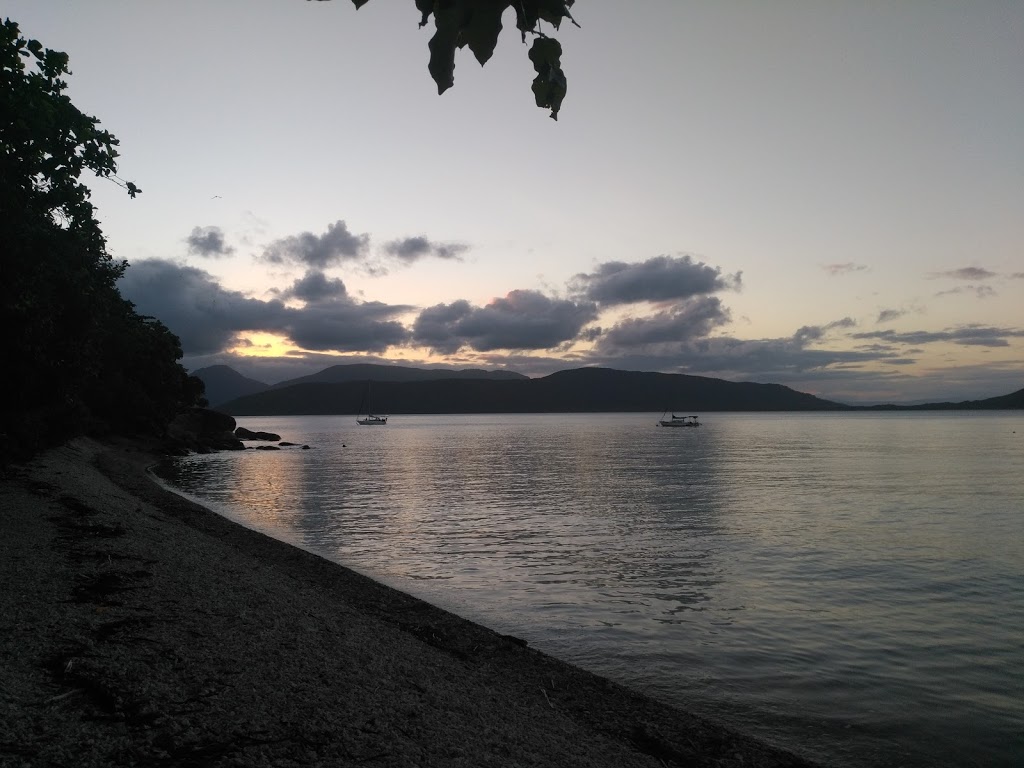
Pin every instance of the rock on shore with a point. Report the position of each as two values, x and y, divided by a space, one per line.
142 629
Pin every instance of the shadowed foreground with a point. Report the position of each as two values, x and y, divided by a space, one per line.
139 628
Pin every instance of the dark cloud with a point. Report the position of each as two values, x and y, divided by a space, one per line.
334 246
731 358
809 333
412 249
208 242
843 269
437 327
206 317
980 291
315 286
967 273
189 301
888 315
769 357
345 326
520 320
969 335
769 360
663 278
690 319
865 375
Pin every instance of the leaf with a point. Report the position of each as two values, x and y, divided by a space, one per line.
549 86
482 28
553 11
425 7
442 47
529 12
477 24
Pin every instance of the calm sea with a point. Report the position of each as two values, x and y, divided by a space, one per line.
849 586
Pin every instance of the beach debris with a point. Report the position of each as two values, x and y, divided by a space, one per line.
546 698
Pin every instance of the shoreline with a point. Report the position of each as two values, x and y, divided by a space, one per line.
144 628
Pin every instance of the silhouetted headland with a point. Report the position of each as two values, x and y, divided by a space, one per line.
409 390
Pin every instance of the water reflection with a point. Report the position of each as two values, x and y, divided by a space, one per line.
532 515
812 573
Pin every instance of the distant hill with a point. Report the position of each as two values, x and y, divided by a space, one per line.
364 372
583 390
1012 401
224 383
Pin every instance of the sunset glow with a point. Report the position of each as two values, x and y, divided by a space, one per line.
826 198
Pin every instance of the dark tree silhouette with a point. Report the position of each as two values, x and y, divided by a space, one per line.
477 23
77 355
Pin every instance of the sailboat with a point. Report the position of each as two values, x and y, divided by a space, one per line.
678 421
369 419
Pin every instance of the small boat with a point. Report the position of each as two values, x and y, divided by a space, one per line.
369 419
678 421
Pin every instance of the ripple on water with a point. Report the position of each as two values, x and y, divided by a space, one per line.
848 585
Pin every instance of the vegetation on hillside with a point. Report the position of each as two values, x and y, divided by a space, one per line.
79 357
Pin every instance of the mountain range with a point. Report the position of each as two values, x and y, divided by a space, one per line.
342 389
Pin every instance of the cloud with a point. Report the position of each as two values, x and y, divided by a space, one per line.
663 278
844 268
888 315
412 249
690 319
727 357
980 291
966 273
522 320
333 247
207 317
968 335
808 333
315 286
346 326
208 242
437 326
194 306
731 358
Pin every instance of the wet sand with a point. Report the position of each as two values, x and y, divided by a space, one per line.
139 628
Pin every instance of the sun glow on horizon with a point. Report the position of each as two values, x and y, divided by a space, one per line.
258 344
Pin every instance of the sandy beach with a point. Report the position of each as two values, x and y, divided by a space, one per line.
139 628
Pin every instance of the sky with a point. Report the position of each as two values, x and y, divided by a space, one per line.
823 194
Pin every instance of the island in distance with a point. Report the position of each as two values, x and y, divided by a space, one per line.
340 390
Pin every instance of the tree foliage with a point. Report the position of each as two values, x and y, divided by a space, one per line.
477 23
78 356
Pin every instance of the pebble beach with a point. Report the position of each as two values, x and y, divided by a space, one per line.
139 628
